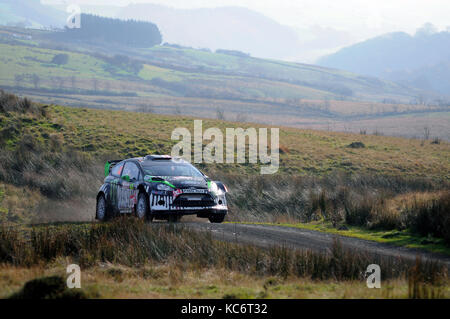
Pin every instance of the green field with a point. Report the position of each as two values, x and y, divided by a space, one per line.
190 82
100 132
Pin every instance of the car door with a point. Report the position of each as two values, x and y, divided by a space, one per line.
127 190
116 172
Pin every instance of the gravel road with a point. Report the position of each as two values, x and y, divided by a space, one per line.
267 236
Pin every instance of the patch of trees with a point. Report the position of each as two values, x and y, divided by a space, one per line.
122 62
60 59
126 32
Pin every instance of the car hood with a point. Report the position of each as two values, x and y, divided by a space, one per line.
186 181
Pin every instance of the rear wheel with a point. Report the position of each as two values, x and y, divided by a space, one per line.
216 218
102 212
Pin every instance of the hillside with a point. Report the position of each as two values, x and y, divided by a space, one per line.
78 140
30 13
178 80
208 71
233 28
51 166
104 132
415 60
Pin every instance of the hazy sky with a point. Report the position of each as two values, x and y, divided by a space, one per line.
405 15
342 22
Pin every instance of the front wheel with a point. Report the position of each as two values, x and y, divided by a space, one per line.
216 218
142 210
174 218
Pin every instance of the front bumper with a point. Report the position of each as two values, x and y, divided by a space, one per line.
203 213
166 204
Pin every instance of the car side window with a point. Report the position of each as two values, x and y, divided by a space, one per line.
117 170
131 170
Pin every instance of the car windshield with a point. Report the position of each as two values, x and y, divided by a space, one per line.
171 169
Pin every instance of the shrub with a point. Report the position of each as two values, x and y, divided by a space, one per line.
357 145
431 217
53 287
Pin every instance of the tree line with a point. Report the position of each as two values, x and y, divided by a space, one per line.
126 32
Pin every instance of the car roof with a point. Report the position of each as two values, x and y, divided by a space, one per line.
157 160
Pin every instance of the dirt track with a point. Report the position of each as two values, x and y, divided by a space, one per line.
267 236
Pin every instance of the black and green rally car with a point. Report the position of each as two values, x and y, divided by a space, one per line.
159 187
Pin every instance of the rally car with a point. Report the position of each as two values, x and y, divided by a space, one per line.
159 187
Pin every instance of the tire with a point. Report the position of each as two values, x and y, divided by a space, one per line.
174 218
216 218
102 212
142 208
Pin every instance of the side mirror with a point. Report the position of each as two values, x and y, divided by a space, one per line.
126 178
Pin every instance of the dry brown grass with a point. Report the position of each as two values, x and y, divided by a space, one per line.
132 243
156 281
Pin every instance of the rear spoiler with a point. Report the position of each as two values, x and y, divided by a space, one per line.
109 165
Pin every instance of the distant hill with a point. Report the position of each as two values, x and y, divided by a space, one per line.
30 13
419 60
433 77
232 28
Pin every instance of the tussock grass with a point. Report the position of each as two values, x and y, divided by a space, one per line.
426 285
57 173
430 217
12 103
154 281
132 243
374 202
39 158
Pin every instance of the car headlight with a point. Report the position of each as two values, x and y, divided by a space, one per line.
215 189
163 187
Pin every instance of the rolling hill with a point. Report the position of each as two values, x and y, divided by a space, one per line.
233 28
30 13
171 79
196 72
419 60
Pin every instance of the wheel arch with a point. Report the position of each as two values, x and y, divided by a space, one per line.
100 193
141 189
